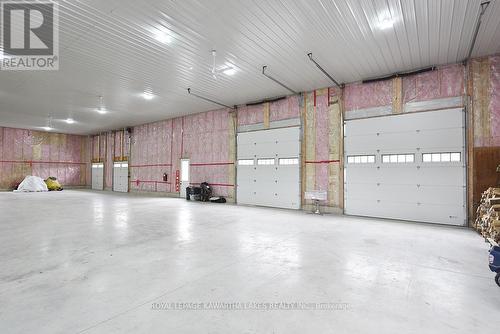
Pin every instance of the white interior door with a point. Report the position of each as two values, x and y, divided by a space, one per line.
98 176
184 181
120 176
268 170
408 166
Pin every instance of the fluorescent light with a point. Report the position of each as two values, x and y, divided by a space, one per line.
147 96
385 24
70 120
163 37
46 128
229 71
101 110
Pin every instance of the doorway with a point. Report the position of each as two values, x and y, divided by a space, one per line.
184 181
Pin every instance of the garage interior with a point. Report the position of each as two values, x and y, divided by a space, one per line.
253 167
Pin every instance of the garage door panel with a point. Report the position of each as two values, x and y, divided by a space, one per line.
247 151
97 176
269 185
412 140
448 195
382 192
402 142
401 190
383 174
265 150
449 175
417 121
291 174
407 211
445 195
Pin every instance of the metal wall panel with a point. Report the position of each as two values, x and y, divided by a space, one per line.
420 191
269 185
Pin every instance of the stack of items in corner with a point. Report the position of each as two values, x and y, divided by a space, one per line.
488 215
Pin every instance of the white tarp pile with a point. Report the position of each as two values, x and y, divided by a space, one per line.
32 184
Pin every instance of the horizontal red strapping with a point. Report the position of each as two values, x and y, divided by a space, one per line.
213 164
216 184
143 181
153 165
322 161
43 162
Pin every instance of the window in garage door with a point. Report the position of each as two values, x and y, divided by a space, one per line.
419 172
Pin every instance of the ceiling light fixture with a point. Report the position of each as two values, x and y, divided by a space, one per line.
48 124
163 37
385 24
147 96
70 121
229 71
214 70
101 110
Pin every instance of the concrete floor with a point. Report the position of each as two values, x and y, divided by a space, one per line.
94 262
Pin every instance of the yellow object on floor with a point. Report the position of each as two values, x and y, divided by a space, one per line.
53 184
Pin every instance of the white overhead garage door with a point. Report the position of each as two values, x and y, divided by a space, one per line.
268 170
120 176
408 166
98 176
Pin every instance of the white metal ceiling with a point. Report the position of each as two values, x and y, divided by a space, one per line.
109 48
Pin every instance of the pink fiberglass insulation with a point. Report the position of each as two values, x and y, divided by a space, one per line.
369 95
248 115
26 152
445 82
120 140
176 146
206 143
285 109
93 145
158 147
494 107
108 168
150 156
88 158
322 141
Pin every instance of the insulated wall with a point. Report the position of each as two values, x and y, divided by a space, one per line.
485 92
108 147
322 146
151 156
442 88
27 152
206 139
484 88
